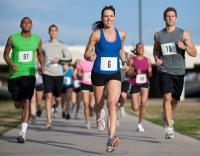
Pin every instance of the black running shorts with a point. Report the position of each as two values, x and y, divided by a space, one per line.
171 84
21 88
102 79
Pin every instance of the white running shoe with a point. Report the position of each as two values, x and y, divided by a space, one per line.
140 128
169 132
100 122
88 126
122 112
21 137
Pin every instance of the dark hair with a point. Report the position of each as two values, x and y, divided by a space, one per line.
169 9
134 51
53 26
99 24
24 18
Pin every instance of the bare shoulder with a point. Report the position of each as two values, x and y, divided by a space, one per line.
95 36
186 34
122 33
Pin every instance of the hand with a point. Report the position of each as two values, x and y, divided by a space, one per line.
92 56
14 68
181 45
158 61
54 60
125 67
41 69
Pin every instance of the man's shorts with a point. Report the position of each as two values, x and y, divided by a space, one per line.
53 84
39 87
171 84
21 88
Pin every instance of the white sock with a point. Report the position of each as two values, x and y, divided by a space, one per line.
24 127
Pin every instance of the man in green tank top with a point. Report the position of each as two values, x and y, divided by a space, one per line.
21 81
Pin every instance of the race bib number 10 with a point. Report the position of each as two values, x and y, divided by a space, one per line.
169 48
25 56
108 63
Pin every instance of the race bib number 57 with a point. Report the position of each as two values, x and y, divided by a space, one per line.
108 63
25 56
141 78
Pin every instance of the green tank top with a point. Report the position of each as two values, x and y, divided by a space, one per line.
23 55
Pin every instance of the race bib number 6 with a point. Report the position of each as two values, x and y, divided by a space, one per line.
25 56
108 63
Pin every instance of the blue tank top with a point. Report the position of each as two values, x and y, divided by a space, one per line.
68 78
108 53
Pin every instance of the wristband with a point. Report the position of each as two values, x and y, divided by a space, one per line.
124 62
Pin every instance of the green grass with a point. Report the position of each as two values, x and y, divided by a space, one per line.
10 117
187 118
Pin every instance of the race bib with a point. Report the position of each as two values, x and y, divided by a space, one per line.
87 76
169 48
141 78
67 81
77 83
25 56
108 64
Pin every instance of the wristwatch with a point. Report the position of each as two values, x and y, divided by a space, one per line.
124 62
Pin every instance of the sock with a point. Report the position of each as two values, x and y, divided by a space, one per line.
24 127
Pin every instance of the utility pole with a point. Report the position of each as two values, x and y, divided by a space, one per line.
140 19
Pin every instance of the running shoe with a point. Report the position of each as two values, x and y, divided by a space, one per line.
39 113
169 132
63 115
112 143
68 116
33 119
140 128
21 137
122 112
88 126
77 117
100 122
48 125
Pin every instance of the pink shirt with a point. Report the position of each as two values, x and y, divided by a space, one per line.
141 65
86 67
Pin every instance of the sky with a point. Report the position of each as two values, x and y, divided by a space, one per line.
75 17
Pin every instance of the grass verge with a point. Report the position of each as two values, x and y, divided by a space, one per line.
186 116
9 116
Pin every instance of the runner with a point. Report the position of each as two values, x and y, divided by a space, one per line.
170 45
67 91
77 89
36 100
139 72
109 48
125 87
56 53
21 82
84 72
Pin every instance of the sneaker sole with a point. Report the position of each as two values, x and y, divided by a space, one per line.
20 140
115 144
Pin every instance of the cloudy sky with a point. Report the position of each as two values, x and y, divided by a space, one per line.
75 17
